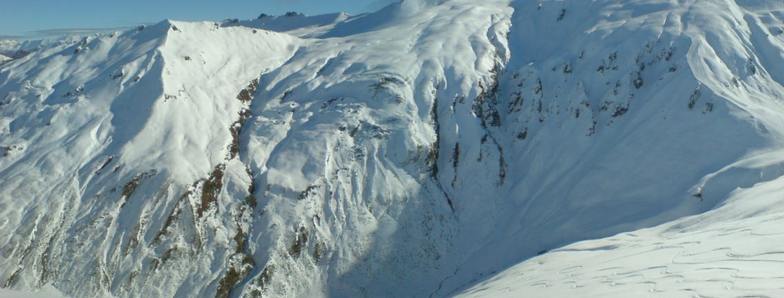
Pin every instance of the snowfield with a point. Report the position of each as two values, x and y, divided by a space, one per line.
430 149
724 253
45 292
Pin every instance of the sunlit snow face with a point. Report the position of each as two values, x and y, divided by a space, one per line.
411 6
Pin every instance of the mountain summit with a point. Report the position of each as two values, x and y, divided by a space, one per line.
430 149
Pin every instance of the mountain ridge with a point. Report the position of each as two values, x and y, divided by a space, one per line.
425 144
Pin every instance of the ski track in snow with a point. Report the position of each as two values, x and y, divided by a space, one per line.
430 144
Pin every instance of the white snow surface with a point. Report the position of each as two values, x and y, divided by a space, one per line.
299 25
44 292
414 151
734 251
7 49
8 45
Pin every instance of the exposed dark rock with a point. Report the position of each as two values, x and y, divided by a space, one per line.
299 243
211 188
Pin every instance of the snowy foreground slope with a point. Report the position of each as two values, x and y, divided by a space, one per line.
734 251
45 292
413 151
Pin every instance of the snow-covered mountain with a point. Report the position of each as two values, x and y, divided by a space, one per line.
414 151
7 49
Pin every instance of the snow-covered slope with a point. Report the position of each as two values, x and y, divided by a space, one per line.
8 46
704 66
734 251
428 144
45 292
297 25
104 139
7 49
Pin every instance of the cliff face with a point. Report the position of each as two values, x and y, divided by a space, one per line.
425 145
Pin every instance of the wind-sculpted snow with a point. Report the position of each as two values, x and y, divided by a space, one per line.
408 152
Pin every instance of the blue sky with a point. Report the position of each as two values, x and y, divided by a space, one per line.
27 17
